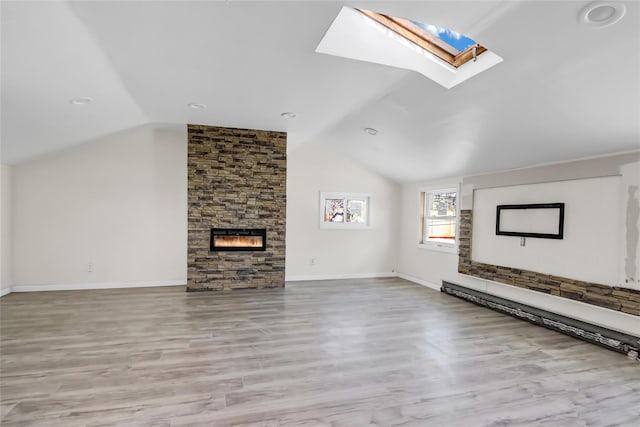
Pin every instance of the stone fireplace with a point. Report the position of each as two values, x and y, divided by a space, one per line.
237 208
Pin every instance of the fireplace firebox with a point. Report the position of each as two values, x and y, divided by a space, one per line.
238 239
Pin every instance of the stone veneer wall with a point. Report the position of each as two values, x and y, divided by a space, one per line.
614 298
236 178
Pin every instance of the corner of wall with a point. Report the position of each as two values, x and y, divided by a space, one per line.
313 252
6 239
433 267
105 212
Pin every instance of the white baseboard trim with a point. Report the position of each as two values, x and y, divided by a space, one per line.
339 277
90 286
148 284
419 281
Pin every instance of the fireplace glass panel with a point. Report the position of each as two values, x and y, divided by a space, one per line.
238 239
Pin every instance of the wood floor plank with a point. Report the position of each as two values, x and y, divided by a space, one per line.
379 352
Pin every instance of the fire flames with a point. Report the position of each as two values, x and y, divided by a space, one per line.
238 241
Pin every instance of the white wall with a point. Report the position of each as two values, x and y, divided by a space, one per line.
591 221
621 206
629 261
112 211
118 207
6 279
337 253
430 267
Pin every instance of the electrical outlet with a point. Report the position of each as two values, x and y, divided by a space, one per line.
312 261
90 267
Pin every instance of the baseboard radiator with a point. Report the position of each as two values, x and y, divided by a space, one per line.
614 340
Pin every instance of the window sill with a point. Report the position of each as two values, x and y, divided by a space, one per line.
439 247
339 226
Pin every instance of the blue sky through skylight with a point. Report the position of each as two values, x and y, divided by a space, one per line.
453 39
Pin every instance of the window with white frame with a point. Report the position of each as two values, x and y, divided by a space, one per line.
439 218
345 210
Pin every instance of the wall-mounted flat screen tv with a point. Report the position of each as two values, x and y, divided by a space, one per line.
542 220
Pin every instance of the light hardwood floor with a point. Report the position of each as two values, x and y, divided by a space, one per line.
379 352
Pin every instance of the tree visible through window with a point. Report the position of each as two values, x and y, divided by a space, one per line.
334 210
344 210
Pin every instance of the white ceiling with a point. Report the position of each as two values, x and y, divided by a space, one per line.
564 90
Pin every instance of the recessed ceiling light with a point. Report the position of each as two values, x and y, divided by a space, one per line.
196 106
82 100
288 115
371 131
601 14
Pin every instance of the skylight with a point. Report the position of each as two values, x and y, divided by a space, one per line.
456 40
450 46
443 55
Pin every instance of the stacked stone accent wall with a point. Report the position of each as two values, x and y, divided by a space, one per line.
611 297
236 179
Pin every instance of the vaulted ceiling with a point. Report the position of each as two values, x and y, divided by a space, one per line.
563 91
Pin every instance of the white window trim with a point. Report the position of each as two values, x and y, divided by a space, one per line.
437 246
345 225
